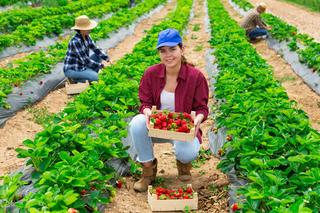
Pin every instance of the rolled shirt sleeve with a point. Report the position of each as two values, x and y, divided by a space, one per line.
145 92
97 51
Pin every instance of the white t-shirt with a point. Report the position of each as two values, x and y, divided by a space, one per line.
167 100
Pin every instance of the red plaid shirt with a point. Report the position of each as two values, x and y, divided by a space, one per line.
191 93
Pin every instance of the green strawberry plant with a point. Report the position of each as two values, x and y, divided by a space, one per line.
8 190
11 19
309 54
46 26
272 143
42 61
69 155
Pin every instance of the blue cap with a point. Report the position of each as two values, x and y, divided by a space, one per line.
169 37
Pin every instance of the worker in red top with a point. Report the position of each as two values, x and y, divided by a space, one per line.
174 85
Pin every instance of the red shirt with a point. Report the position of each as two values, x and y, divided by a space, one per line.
191 93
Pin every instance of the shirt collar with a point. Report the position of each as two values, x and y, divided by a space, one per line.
182 72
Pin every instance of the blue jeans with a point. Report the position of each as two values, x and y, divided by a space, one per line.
86 74
257 32
185 151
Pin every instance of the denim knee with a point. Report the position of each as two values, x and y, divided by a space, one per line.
186 153
138 123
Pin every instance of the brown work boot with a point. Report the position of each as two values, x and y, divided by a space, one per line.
184 173
147 177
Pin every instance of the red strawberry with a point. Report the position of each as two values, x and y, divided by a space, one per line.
154 116
235 207
163 118
164 124
229 138
184 128
178 122
72 210
183 122
119 184
83 192
189 190
186 115
158 122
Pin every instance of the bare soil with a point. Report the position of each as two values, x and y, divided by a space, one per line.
22 125
295 87
208 181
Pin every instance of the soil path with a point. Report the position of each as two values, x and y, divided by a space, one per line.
305 20
206 179
295 87
23 126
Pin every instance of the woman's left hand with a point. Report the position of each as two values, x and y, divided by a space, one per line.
197 121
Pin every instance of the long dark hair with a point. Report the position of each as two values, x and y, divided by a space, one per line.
183 58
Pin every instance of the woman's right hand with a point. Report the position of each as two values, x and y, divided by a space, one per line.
147 113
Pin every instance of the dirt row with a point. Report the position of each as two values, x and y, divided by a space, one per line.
209 182
23 125
305 20
295 87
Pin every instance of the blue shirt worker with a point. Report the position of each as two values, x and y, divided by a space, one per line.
79 66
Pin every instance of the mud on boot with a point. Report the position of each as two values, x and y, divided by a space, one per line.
184 173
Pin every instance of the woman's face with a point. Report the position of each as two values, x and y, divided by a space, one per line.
85 32
171 56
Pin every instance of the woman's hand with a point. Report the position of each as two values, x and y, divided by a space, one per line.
197 121
147 113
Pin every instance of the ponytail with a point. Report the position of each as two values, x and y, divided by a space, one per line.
183 58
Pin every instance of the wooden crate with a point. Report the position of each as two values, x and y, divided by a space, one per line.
172 205
75 88
166 134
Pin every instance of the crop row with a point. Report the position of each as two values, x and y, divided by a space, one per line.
10 20
43 61
308 50
49 25
271 143
70 154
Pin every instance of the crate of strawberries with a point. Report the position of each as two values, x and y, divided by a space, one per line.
162 199
172 125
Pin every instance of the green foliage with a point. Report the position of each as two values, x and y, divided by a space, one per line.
69 156
40 115
8 190
311 4
273 145
308 50
42 62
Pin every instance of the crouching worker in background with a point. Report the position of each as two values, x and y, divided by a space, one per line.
255 28
79 66
173 85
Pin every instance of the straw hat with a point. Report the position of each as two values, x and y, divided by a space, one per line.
84 23
262 6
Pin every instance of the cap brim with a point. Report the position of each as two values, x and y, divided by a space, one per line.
92 25
167 44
